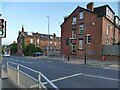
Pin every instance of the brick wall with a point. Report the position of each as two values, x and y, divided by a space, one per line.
94 48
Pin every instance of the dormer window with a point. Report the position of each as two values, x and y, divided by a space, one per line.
74 21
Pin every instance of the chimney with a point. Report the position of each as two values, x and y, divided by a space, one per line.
22 29
90 6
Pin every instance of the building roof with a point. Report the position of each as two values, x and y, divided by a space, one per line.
78 7
105 6
42 36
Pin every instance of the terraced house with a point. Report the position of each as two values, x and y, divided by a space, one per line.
89 30
39 40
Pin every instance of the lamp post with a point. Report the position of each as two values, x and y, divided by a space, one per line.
48 36
0 47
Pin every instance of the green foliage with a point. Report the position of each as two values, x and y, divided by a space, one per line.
23 44
31 49
13 48
3 47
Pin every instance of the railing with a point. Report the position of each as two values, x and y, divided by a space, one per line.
20 75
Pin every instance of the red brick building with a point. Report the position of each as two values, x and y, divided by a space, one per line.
39 40
97 26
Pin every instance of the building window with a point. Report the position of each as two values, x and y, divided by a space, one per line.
55 43
81 27
108 29
81 15
73 49
74 34
74 21
51 37
31 40
80 44
50 42
37 41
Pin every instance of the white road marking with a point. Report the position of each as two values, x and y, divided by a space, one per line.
49 61
66 77
78 74
101 77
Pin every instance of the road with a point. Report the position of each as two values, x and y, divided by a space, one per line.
65 75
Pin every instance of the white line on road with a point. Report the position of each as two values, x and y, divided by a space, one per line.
101 77
66 77
70 76
78 74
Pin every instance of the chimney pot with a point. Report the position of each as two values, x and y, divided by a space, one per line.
90 6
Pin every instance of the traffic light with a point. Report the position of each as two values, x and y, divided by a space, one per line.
71 41
88 39
1 26
67 41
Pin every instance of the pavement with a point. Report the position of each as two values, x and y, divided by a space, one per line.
107 64
5 83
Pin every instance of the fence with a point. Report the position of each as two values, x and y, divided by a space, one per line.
111 50
20 75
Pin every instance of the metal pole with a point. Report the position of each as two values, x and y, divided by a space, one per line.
0 50
0 53
39 80
0 47
85 50
68 53
85 55
18 81
48 37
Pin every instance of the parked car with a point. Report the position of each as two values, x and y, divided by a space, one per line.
36 54
6 55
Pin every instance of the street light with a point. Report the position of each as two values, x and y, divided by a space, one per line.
0 47
48 36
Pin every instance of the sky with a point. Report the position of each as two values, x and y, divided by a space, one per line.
33 16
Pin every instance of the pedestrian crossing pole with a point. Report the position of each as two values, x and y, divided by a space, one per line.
85 60
0 50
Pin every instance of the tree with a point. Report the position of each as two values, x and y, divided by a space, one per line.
13 48
30 49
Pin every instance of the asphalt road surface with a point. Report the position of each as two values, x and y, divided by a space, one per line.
65 75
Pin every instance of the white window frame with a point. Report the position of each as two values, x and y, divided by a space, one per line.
81 29
74 34
81 15
31 40
108 12
50 42
107 42
108 30
38 41
80 45
74 20
55 43
51 37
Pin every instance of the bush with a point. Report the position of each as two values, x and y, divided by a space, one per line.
30 49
